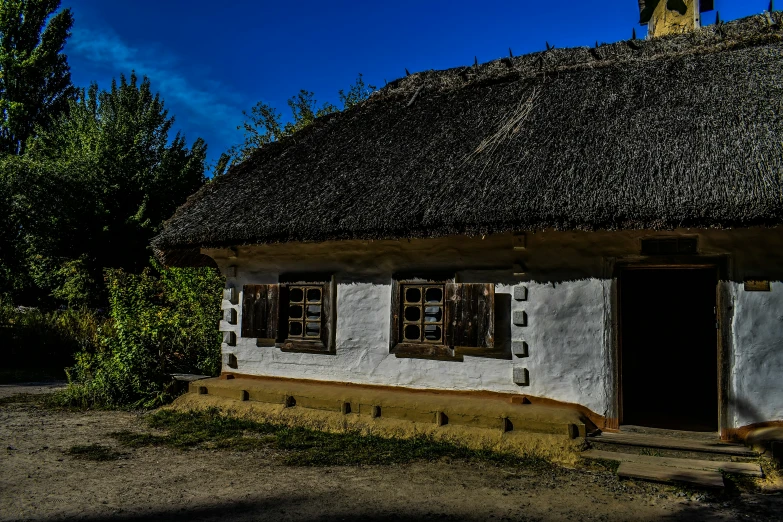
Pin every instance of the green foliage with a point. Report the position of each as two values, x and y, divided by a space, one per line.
87 178
35 80
161 322
90 193
35 339
357 93
302 446
264 124
45 225
304 111
137 176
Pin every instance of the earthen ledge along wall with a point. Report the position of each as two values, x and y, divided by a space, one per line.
477 410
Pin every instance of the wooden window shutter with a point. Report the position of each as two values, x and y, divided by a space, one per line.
260 311
470 315
326 315
394 334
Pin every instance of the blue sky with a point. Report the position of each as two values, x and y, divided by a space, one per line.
212 60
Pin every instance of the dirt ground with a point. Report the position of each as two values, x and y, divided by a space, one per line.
40 481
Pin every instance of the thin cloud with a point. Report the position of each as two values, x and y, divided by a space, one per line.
106 49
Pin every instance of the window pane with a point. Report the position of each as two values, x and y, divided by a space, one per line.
313 312
314 294
295 328
432 332
313 329
434 295
433 314
295 312
412 332
413 295
412 313
296 295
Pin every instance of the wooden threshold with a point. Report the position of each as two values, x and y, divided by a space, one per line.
701 478
651 441
738 468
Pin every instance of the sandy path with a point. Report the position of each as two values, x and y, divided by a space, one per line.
39 482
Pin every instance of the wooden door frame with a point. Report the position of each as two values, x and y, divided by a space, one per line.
613 270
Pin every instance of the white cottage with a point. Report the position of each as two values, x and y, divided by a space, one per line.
593 228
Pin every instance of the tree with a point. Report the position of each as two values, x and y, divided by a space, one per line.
264 125
357 93
35 80
44 223
121 178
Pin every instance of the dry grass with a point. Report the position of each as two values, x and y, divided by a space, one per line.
527 445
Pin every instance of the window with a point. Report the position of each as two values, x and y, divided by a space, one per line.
296 313
304 312
440 319
422 313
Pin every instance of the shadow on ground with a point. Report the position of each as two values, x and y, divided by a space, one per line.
327 508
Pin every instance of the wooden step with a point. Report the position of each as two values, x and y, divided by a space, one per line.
696 477
672 443
738 468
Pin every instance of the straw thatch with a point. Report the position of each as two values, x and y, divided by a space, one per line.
681 131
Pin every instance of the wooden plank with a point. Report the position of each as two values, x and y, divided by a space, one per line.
260 311
425 351
396 310
705 479
652 441
272 312
326 315
470 315
451 313
250 294
738 468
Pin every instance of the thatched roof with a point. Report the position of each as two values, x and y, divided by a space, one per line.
681 131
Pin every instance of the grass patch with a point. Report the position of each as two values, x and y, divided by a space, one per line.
95 452
50 400
211 429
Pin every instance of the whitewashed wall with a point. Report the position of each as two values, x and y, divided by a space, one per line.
757 369
568 305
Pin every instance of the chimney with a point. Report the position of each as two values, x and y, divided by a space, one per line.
664 17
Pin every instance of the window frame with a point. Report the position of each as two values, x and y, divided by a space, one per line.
468 321
422 350
422 304
325 341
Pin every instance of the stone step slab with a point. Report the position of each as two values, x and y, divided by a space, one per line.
749 469
694 477
673 443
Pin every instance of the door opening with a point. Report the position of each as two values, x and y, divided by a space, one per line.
669 350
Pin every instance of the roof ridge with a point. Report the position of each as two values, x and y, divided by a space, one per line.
744 32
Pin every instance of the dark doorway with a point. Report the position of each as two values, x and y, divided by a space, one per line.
669 355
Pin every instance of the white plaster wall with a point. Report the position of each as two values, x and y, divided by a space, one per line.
569 328
564 335
757 372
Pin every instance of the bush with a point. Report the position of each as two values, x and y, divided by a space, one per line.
37 343
162 321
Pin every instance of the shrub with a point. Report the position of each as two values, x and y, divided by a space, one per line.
37 343
162 321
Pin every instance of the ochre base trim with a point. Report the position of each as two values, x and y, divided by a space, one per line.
741 434
598 421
